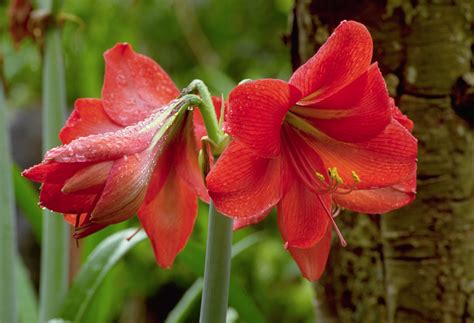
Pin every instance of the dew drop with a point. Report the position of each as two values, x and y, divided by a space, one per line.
121 79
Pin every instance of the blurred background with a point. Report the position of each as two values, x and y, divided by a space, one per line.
220 42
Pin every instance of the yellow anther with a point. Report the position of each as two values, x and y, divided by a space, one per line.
335 175
355 177
320 176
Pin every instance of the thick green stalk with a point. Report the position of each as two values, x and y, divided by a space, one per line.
215 293
55 245
214 132
217 271
8 306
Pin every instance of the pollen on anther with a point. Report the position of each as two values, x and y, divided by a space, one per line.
355 177
320 176
333 173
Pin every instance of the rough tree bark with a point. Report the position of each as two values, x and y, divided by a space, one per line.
416 264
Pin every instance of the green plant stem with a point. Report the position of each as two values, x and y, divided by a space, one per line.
219 240
8 305
217 268
55 244
214 132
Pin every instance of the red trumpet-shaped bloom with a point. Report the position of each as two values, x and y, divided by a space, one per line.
133 151
329 137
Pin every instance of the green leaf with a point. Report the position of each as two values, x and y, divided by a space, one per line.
26 295
94 271
108 302
243 303
246 243
27 200
56 232
182 309
88 245
8 305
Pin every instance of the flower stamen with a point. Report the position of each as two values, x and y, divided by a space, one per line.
78 220
336 209
135 233
333 222
335 182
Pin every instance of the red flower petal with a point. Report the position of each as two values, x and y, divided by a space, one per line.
186 159
240 223
379 200
400 117
124 189
85 227
87 118
134 85
89 177
180 154
356 113
168 218
163 167
71 218
53 175
256 112
242 184
312 261
344 57
54 199
112 145
107 146
53 172
303 214
386 160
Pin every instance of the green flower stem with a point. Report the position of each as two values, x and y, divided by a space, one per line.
8 305
217 268
56 235
215 293
214 131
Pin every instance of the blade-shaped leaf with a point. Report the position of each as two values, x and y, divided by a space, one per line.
55 243
8 305
243 303
181 310
27 200
94 270
26 295
246 243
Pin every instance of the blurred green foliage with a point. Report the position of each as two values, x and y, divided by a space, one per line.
220 42
244 40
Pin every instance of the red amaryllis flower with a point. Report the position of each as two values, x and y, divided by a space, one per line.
131 151
329 137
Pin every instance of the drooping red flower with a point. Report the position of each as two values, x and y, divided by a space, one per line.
19 14
329 137
132 151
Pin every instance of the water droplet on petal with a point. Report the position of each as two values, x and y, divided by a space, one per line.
121 79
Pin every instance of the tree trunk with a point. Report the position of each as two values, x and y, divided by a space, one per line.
415 264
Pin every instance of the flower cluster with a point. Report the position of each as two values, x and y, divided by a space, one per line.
133 151
330 137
